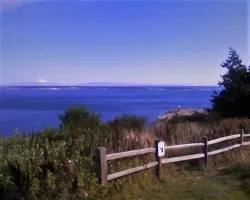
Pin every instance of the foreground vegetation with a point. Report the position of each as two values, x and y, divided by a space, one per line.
228 183
58 163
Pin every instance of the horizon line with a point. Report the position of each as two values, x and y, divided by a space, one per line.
106 84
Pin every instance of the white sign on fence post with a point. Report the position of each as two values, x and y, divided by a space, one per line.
161 149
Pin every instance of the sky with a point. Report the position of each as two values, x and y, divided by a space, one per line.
70 42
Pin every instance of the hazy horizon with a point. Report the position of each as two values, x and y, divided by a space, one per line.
98 84
162 42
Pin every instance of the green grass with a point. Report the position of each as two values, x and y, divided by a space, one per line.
230 183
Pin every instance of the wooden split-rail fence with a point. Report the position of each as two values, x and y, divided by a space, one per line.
159 150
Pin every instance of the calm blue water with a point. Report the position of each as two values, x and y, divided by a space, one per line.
35 109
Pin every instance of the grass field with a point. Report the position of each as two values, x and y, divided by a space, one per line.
229 183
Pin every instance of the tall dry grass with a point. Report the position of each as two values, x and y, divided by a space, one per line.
182 133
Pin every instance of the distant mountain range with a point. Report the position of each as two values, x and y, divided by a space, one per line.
105 84
32 84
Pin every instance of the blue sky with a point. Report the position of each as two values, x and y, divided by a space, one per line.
176 42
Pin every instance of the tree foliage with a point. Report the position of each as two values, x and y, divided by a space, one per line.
233 100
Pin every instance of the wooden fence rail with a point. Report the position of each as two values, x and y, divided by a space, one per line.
102 158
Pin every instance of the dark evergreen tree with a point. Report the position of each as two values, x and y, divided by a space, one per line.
234 98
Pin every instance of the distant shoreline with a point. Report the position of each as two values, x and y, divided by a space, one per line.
110 87
181 113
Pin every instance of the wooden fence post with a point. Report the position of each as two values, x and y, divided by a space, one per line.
102 166
205 150
158 159
241 135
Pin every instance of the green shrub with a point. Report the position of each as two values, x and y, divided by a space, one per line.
47 170
127 122
79 116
